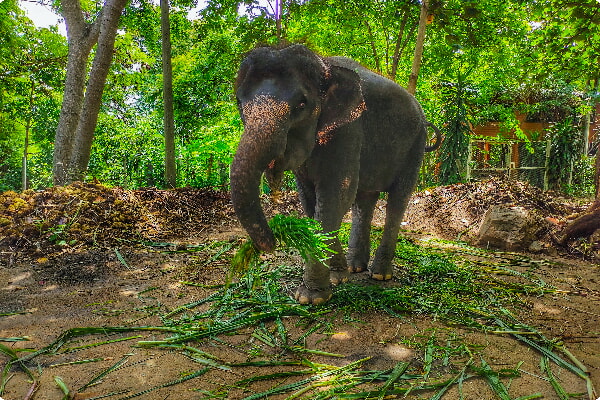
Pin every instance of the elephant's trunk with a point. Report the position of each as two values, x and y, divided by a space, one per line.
263 141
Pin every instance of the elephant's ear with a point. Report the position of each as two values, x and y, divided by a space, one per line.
342 102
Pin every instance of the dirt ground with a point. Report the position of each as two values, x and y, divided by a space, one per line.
90 256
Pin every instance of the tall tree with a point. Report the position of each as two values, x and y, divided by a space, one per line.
32 62
168 119
401 40
81 102
567 44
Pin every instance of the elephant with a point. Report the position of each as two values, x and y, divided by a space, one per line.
347 134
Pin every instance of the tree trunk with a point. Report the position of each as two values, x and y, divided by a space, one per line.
373 47
168 118
278 12
28 125
81 38
416 65
84 135
597 175
81 104
399 47
585 133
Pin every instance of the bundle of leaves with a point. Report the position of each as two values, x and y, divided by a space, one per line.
291 232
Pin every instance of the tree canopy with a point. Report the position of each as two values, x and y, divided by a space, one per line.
538 57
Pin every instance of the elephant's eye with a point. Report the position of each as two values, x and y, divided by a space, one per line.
301 103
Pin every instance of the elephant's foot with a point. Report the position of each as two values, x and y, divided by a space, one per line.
356 268
305 295
337 277
382 273
382 277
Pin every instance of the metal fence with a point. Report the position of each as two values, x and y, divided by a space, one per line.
512 159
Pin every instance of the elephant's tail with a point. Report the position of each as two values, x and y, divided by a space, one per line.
438 137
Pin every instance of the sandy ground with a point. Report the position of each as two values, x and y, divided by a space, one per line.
46 291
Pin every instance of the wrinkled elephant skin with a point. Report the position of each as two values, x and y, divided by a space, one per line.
347 133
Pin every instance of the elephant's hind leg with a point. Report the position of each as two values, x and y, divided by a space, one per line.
381 269
359 246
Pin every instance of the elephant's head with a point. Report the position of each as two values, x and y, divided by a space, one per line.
290 101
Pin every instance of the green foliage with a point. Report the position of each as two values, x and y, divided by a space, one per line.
367 31
40 165
10 162
302 234
582 180
206 120
548 102
31 62
567 38
128 156
454 150
205 113
514 61
203 87
565 151
205 160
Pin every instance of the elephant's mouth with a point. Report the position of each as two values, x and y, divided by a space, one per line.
274 175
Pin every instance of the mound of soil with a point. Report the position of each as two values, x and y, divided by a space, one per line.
456 211
90 213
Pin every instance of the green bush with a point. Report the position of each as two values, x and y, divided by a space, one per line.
565 151
582 180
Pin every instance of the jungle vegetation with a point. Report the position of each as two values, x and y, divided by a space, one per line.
481 60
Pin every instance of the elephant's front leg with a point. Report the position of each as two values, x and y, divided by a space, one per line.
315 287
318 277
331 204
331 174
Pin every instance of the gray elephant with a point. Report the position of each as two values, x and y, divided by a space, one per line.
347 134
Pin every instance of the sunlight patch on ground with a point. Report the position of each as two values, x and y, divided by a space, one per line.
544 309
341 336
399 353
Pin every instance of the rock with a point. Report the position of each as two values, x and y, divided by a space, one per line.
510 228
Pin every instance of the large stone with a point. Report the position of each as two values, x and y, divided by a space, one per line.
509 228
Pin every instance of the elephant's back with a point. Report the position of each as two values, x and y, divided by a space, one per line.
382 95
393 125
371 81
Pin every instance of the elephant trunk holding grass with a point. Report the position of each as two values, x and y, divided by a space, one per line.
347 133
